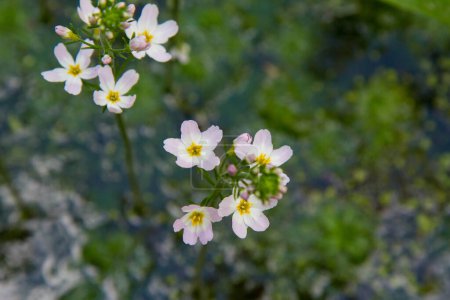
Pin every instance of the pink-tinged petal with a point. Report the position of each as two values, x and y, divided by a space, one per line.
173 146
206 234
211 137
284 179
209 162
106 77
159 53
86 5
189 208
73 85
263 140
227 206
280 156
243 150
244 138
178 225
55 75
63 56
213 214
126 101
165 31
256 203
189 236
127 81
100 98
270 204
114 108
90 73
138 54
149 18
185 162
84 55
239 227
257 221
132 29
190 133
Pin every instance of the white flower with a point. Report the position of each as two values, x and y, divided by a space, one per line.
261 152
72 71
112 93
86 11
155 35
246 213
195 148
197 224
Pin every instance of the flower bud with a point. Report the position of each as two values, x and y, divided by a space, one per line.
93 20
120 5
66 33
139 43
106 59
245 195
131 9
109 35
125 25
232 170
102 3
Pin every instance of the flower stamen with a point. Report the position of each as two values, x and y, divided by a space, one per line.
113 96
196 218
148 36
243 207
194 149
74 70
262 159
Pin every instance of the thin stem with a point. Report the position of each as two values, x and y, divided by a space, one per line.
138 203
198 290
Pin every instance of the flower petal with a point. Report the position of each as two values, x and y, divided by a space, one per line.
213 214
126 101
280 155
263 140
185 161
178 225
189 236
55 75
63 56
90 73
138 54
100 98
190 133
239 227
206 233
127 81
114 108
227 206
73 85
173 146
257 221
149 18
106 77
211 137
189 208
132 29
84 56
165 31
158 53
209 162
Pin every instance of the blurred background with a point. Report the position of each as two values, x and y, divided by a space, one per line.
359 89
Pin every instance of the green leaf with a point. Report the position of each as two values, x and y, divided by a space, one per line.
436 9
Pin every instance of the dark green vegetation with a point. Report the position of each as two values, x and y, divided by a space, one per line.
359 88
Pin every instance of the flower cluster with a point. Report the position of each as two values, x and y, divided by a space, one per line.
249 170
117 37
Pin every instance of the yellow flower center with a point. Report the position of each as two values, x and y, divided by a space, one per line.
262 159
113 96
148 36
74 70
194 149
243 207
196 218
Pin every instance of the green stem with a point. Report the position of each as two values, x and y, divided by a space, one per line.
25 211
138 203
198 290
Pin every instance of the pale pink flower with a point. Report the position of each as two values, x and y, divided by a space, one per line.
262 153
242 145
73 70
113 93
246 213
232 170
106 59
87 12
155 34
195 148
65 33
197 224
